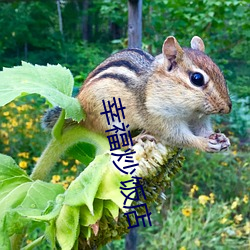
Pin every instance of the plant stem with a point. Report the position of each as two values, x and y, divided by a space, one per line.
57 147
16 240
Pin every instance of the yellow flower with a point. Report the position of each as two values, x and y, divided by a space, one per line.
6 113
70 178
65 163
238 159
238 233
247 227
35 159
197 242
211 195
6 149
224 164
238 218
65 185
203 199
14 123
24 154
6 141
193 190
12 105
234 152
225 207
23 107
4 134
245 199
235 203
55 178
77 162
223 220
187 211
223 235
73 168
183 248
29 124
23 164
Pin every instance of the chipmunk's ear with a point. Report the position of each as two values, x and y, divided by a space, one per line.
171 49
197 43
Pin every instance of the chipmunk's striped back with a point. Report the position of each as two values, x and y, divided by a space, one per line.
169 96
124 66
122 75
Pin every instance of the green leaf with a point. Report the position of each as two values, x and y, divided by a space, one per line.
50 234
6 186
34 243
39 194
26 202
14 223
83 152
67 226
4 240
112 207
58 127
109 188
83 189
48 216
86 232
99 180
86 218
14 198
20 197
9 168
53 82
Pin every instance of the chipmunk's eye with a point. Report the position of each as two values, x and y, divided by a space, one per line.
197 79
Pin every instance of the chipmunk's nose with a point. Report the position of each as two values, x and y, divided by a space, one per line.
230 106
226 109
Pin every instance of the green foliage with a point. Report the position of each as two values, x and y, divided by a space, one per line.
52 82
199 224
30 32
223 25
19 198
208 205
91 206
25 200
81 58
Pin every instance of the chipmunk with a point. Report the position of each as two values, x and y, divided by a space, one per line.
170 96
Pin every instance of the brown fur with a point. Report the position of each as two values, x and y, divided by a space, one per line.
158 94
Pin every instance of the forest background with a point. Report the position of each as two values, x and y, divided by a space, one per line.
207 205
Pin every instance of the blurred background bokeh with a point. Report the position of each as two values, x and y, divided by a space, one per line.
207 206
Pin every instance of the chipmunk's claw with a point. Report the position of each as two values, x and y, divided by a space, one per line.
143 137
218 142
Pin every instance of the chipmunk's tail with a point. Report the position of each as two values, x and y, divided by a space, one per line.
50 117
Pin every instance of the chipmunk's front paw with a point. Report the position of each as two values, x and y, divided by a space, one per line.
218 142
143 137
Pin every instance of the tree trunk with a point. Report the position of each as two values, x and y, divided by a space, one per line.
85 20
134 41
135 23
131 239
26 51
59 16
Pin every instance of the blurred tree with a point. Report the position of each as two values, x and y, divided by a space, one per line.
30 31
58 2
134 23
